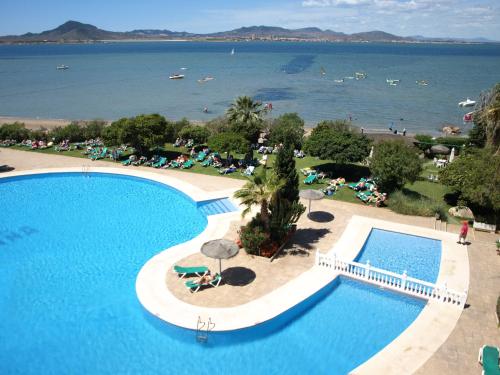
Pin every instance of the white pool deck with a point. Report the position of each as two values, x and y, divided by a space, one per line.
404 355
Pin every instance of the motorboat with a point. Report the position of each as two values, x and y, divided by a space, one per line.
393 82
62 67
206 79
183 68
422 82
467 103
338 80
176 76
359 75
349 77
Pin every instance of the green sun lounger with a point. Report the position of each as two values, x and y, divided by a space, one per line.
310 179
184 271
127 162
364 196
101 155
160 162
194 286
489 357
201 156
207 162
187 164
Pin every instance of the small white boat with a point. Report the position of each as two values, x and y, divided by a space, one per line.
350 77
206 79
359 75
393 82
176 76
467 103
422 82
322 71
232 51
183 68
62 67
338 80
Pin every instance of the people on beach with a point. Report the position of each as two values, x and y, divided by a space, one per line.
463 233
404 132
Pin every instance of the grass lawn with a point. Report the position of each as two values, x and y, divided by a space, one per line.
351 172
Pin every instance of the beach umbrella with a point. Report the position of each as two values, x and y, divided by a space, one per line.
452 154
440 149
312 195
220 249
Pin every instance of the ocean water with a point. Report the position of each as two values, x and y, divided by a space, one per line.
111 80
420 257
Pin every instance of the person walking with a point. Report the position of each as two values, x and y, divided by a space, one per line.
463 233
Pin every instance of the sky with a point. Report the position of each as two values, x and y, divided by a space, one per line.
436 18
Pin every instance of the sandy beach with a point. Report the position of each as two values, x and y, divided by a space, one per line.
37 123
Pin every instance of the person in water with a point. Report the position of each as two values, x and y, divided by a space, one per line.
205 109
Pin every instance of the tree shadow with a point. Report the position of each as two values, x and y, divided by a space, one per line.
238 276
6 168
351 172
303 241
320 216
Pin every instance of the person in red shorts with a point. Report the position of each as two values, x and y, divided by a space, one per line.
463 233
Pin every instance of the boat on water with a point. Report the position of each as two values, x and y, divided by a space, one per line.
422 82
206 79
322 71
232 51
467 103
393 82
176 76
350 77
360 75
339 80
183 68
62 67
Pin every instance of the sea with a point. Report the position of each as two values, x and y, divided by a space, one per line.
121 79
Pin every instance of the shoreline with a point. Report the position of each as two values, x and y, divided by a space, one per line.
36 123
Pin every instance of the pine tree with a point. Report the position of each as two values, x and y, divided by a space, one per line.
285 207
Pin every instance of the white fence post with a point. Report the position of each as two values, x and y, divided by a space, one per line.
367 270
403 280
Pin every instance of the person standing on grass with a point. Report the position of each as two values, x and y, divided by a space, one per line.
463 233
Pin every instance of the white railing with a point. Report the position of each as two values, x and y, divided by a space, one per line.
402 283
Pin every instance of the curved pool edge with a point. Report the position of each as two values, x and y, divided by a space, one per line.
409 351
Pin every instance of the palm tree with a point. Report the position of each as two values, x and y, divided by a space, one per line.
245 116
259 191
245 110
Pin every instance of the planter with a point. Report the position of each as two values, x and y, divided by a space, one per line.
484 226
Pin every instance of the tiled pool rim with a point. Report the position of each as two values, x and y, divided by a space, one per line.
404 355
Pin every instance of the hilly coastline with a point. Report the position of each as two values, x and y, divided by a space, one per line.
77 32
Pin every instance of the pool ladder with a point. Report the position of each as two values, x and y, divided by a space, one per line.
203 329
86 171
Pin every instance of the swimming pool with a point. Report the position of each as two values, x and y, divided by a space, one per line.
70 249
397 252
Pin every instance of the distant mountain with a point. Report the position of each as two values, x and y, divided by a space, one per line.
73 31
70 31
451 40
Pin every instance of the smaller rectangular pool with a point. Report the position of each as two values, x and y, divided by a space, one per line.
397 252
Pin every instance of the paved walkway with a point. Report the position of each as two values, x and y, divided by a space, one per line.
477 325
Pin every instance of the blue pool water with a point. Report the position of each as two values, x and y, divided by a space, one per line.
397 252
70 250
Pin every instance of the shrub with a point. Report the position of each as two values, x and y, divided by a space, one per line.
73 132
336 141
394 164
287 129
424 141
16 131
252 238
228 142
199 134
405 204
93 129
